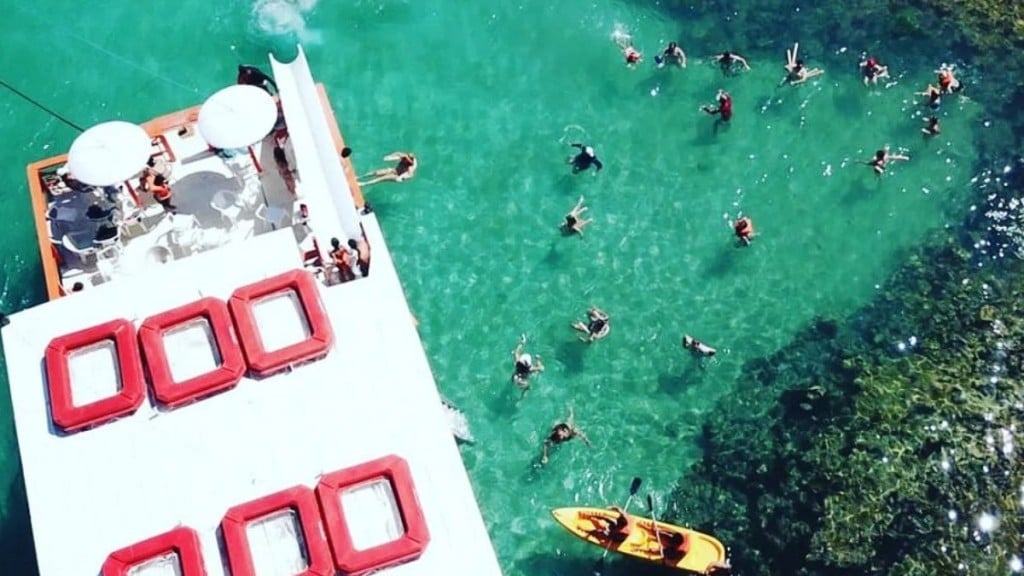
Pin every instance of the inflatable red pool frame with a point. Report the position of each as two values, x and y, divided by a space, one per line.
182 541
63 412
226 376
302 500
410 546
260 361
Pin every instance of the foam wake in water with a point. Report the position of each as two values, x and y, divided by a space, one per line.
285 18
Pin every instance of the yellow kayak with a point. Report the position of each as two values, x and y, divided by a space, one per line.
695 553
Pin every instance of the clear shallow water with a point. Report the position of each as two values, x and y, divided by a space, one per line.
488 96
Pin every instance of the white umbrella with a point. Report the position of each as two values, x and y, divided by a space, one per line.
109 153
237 116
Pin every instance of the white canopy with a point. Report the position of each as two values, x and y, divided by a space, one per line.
109 153
237 116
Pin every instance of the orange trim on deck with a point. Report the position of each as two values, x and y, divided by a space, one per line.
339 143
51 272
155 128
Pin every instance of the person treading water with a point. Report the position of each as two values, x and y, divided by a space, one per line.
585 159
560 433
524 366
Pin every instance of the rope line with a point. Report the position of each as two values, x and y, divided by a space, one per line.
41 106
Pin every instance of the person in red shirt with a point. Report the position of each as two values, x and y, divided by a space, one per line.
724 108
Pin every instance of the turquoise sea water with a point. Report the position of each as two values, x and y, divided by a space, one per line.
489 95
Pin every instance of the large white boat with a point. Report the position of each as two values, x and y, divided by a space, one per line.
204 394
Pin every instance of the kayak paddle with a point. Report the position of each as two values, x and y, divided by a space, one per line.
634 487
654 519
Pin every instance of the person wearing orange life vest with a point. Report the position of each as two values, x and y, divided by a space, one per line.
156 184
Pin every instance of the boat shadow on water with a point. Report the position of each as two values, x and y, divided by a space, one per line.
16 531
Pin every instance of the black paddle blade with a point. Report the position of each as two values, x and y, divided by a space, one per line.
634 486
650 504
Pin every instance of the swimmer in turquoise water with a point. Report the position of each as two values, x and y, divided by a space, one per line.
727 61
631 54
882 159
672 53
585 159
597 327
574 222
724 109
872 70
932 127
525 366
796 71
934 95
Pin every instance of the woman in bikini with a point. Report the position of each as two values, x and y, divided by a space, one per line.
882 159
404 170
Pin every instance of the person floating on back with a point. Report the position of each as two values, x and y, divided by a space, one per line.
691 343
253 76
882 159
872 70
585 159
724 108
574 222
524 366
796 71
744 230
560 433
404 170
727 61
597 327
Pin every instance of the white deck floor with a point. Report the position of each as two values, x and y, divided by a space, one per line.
198 176
96 491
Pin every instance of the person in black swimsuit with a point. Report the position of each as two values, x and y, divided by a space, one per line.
574 222
525 365
597 325
404 170
585 159
562 432
727 61
253 76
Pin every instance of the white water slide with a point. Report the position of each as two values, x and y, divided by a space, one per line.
321 182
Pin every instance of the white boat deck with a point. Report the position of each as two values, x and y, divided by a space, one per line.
219 200
99 490
93 492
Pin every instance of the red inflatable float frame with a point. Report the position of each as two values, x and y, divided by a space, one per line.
232 366
410 546
263 362
181 541
302 501
63 412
